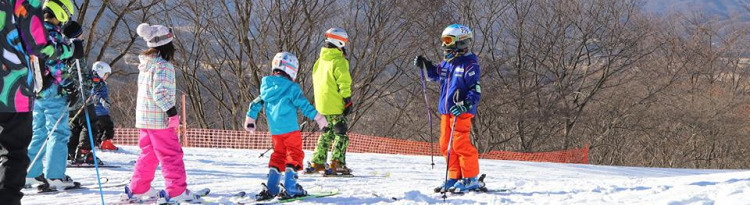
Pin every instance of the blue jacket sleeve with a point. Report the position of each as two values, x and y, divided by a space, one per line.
432 72
471 79
255 107
303 104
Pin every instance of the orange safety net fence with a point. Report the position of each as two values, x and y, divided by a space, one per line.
357 143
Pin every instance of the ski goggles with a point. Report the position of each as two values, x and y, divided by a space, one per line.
448 40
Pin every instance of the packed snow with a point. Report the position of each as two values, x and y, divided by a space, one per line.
397 179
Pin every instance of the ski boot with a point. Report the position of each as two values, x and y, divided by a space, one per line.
108 145
338 168
447 185
467 184
313 168
186 197
131 197
271 189
291 188
85 156
39 180
59 184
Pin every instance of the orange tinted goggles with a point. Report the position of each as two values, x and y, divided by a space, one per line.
448 40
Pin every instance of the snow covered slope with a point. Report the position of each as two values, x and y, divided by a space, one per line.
411 180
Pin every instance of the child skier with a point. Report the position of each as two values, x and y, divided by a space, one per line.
459 96
281 97
51 106
157 119
104 123
332 85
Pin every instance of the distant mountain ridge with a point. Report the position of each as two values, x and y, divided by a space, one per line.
723 9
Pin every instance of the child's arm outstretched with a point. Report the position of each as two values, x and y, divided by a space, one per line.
308 110
252 114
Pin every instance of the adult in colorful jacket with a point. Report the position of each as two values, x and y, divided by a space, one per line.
51 106
332 87
458 75
24 36
157 120
281 97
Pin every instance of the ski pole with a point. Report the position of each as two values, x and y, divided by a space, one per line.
91 135
429 114
302 126
448 151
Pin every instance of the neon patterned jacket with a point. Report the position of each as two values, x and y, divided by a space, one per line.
23 33
459 75
156 92
57 70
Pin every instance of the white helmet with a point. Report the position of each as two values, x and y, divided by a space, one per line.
286 62
101 69
337 37
455 40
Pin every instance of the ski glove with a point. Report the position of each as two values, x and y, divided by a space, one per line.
421 60
72 29
459 108
347 106
104 103
322 122
250 124
77 48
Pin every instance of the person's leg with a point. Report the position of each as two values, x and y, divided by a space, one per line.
15 137
320 155
341 141
107 127
57 147
468 157
454 167
294 153
84 141
145 166
39 136
169 152
75 129
278 157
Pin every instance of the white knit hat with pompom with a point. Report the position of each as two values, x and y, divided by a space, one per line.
155 35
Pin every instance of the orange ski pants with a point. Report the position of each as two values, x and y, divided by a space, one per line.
464 158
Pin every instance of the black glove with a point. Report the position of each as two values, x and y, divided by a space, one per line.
73 96
72 29
421 60
77 48
347 106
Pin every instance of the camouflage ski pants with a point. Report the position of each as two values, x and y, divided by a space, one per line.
336 132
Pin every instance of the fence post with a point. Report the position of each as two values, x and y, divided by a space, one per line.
183 131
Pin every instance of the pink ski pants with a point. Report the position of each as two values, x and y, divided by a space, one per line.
159 146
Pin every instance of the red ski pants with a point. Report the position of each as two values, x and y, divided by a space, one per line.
287 151
464 158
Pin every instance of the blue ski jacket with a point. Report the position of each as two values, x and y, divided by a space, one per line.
101 98
460 75
281 98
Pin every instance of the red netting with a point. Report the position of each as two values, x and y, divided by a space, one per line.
357 143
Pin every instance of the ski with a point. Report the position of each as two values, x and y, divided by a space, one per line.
242 198
82 187
163 199
91 166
